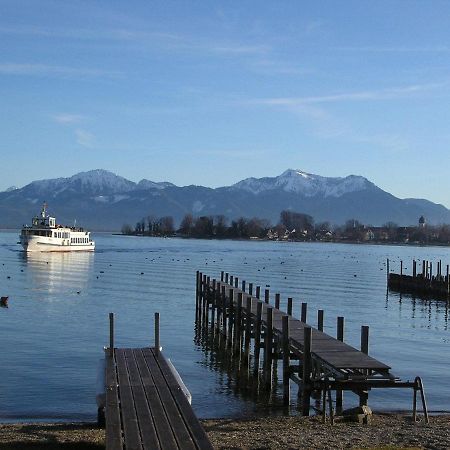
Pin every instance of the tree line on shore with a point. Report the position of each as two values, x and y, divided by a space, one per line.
291 226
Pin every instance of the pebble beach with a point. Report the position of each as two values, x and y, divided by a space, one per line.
386 431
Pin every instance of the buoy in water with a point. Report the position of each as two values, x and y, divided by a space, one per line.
4 302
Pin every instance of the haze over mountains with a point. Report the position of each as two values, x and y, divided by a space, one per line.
101 200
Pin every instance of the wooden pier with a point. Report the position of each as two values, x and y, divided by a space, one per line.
145 405
257 334
422 281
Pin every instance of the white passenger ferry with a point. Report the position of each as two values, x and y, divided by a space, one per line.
44 235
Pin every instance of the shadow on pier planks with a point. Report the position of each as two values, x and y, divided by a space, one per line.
255 335
421 283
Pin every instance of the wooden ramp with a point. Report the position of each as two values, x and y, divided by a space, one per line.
145 406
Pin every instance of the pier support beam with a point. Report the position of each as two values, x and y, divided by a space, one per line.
339 393
231 315
257 332
286 361
111 334
248 328
197 296
364 395
304 311
289 306
320 319
238 326
307 368
268 349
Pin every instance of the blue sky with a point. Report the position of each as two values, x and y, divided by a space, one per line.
199 92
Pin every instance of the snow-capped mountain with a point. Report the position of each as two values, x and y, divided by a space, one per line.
305 184
101 200
98 182
147 184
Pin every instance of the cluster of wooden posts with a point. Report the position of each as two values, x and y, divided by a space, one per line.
259 334
422 281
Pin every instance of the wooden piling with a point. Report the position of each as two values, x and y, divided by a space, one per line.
217 290
197 295
250 288
340 329
231 315
205 301
286 360
257 351
289 306
222 275
268 348
387 269
266 296
258 292
448 280
320 319
224 315
365 339
200 296
221 316
307 368
277 300
304 311
111 334
213 308
238 325
248 328
340 337
236 282
243 286
157 340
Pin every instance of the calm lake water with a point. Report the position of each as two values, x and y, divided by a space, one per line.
53 333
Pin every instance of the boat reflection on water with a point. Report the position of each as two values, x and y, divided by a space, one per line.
64 273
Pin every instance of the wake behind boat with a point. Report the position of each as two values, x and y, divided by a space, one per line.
44 235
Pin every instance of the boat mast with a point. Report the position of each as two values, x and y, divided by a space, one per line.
44 210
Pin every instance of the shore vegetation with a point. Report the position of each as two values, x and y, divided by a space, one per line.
292 226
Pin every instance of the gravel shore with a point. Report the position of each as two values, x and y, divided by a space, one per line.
387 431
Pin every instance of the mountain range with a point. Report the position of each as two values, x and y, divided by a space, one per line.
101 200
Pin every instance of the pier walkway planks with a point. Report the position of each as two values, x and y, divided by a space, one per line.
145 406
341 358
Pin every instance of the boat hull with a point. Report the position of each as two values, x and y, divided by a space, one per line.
43 244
